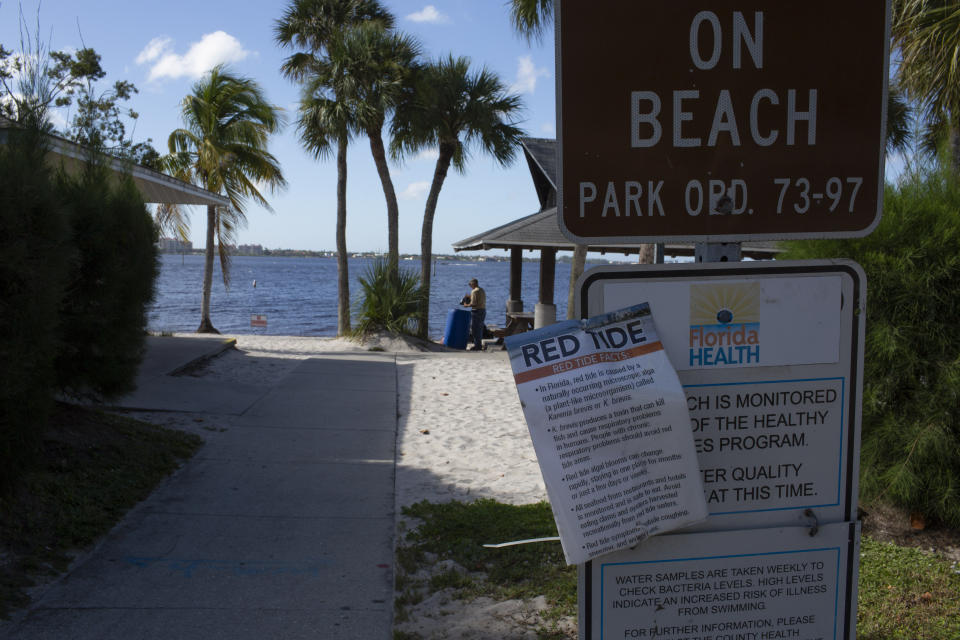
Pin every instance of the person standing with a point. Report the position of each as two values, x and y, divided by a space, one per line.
478 313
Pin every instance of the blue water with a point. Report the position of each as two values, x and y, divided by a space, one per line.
299 295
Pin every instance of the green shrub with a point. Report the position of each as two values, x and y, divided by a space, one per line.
911 410
32 269
103 317
389 301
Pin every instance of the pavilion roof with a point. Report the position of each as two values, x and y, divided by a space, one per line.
542 230
154 187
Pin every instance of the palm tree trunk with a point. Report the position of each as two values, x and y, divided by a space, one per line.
343 266
955 147
205 325
576 270
426 233
393 211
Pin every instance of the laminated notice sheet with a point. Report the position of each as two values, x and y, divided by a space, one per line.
610 426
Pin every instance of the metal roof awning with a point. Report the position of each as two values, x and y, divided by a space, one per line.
541 230
155 187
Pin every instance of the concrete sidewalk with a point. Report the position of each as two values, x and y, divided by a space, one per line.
161 388
281 527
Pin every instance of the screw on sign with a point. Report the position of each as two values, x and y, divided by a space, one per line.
748 120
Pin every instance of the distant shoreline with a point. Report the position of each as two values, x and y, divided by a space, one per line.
303 253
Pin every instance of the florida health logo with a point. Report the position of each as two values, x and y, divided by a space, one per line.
724 324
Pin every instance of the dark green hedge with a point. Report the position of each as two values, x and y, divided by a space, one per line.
110 286
33 258
911 404
77 267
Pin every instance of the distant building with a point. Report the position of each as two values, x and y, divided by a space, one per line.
249 250
173 245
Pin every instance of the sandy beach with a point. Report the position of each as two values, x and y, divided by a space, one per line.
461 436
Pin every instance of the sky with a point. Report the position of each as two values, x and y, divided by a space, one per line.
164 48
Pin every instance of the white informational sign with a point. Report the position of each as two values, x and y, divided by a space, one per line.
747 323
611 430
793 582
778 434
770 445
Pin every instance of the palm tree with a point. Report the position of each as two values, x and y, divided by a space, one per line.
927 35
223 148
378 63
326 123
315 27
454 110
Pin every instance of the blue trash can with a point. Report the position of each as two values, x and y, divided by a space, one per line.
458 327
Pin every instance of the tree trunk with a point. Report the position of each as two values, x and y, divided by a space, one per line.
426 234
205 325
576 270
343 265
393 211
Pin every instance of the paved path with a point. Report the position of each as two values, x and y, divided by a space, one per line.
281 527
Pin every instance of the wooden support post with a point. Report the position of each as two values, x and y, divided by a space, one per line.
545 313
548 273
515 302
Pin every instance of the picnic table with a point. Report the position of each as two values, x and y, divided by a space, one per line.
517 322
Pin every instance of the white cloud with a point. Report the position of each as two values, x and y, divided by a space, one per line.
58 119
428 154
212 49
415 191
428 14
527 74
154 49
548 128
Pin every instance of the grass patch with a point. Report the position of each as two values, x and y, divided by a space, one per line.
93 468
906 593
457 531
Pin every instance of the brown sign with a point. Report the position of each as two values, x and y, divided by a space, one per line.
723 121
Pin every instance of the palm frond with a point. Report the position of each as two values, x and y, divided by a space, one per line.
229 223
531 17
926 33
311 24
172 220
461 109
228 124
899 131
390 299
322 121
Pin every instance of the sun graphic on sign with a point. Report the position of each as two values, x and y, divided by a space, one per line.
724 303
